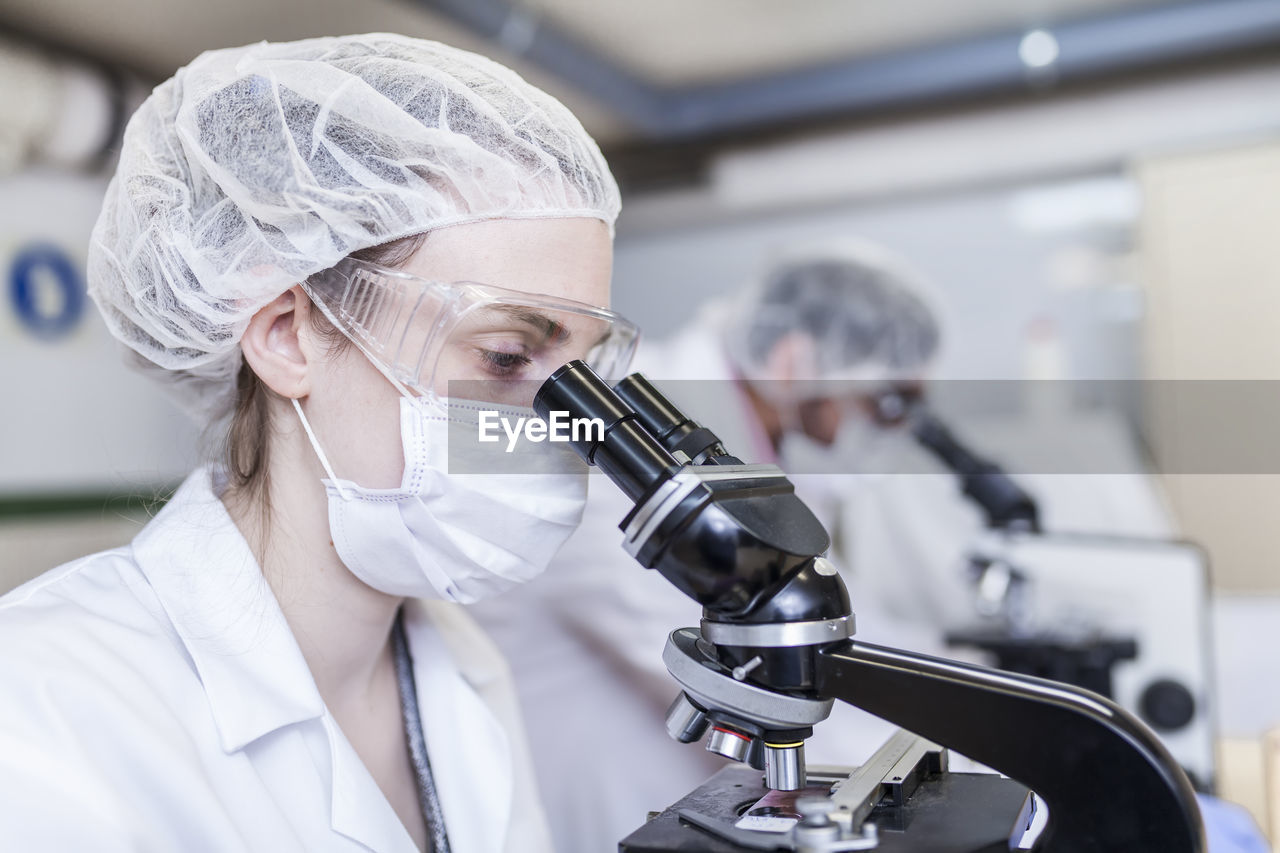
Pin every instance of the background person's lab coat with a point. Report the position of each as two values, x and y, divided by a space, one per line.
585 639
155 700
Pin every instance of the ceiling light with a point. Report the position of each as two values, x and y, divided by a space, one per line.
1038 49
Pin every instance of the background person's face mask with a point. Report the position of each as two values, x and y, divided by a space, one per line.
860 447
450 534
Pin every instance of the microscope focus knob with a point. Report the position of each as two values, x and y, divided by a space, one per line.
815 811
1167 705
816 831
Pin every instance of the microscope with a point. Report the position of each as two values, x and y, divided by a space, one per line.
1120 616
775 649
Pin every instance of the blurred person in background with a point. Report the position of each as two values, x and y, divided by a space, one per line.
279 661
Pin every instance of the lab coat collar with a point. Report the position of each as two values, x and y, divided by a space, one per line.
224 612
478 660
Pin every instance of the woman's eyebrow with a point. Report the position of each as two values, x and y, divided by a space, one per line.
550 328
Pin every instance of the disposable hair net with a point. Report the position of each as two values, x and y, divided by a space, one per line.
860 312
255 167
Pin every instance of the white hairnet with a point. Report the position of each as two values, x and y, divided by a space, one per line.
861 312
255 167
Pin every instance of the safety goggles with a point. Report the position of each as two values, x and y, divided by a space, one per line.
436 338
886 405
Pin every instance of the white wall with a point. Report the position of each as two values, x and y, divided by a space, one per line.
1003 273
73 418
916 184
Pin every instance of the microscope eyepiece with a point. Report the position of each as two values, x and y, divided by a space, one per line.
671 427
624 450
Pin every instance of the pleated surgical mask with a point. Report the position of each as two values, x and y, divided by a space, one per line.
447 533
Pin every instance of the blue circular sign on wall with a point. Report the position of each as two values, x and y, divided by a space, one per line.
38 266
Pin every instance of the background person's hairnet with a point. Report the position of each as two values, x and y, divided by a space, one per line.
860 313
255 167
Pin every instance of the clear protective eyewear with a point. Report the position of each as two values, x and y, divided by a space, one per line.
437 339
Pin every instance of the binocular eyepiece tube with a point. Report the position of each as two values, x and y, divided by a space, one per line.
643 430
630 456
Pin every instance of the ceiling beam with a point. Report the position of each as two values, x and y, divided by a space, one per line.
1086 48
982 66
577 63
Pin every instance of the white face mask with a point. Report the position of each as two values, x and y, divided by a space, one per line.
860 447
461 537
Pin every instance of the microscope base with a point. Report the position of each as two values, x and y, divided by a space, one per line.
948 813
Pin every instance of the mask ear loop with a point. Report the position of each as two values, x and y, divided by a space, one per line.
315 445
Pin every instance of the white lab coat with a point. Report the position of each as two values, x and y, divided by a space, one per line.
155 700
585 639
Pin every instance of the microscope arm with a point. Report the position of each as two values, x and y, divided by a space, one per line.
1108 783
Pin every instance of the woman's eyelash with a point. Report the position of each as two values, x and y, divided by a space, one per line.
506 360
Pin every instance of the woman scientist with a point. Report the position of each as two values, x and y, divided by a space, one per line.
324 247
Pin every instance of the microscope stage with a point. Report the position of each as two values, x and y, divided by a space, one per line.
947 813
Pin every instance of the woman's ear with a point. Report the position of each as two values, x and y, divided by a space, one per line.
278 346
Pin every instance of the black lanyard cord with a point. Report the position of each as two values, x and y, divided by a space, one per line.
428 797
